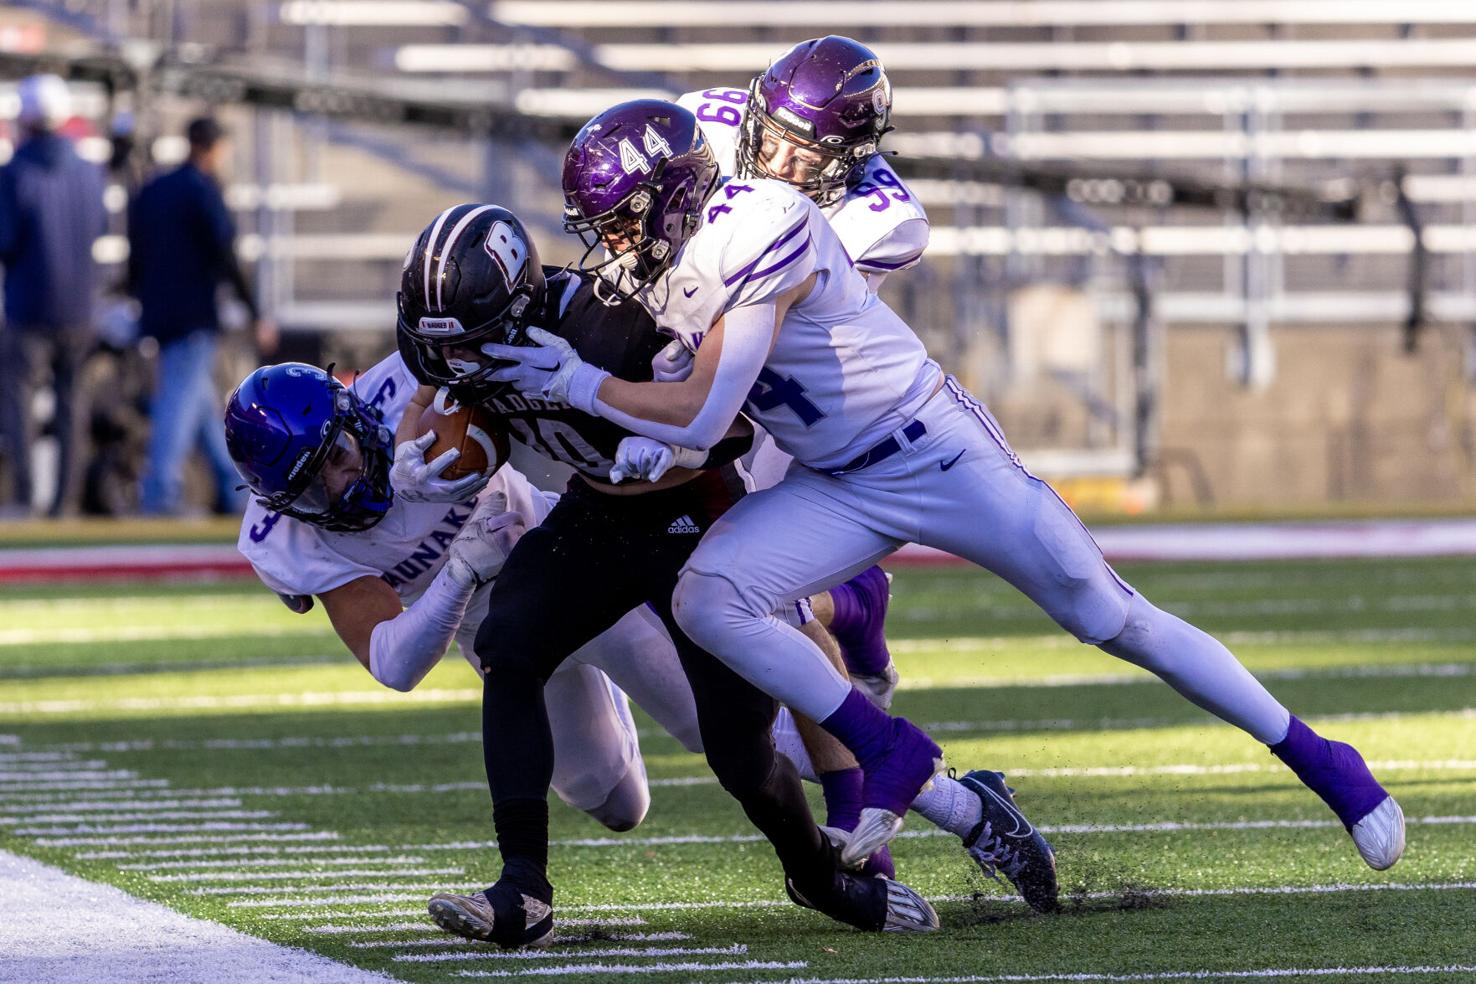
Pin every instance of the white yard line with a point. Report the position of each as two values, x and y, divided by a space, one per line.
440 939
325 892
735 950
240 849
238 863
144 815
145 943
108 840
1263 973
156 828
88 806
201 877
143 633
197 702
353 929
596 970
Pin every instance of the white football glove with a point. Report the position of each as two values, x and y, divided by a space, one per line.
550 370
641 458
647 460
673 363
416 480
481 548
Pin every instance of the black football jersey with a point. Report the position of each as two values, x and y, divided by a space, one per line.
622 340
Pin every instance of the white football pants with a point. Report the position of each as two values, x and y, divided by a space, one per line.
959 488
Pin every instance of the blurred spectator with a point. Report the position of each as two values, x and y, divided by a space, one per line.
51 210
181 246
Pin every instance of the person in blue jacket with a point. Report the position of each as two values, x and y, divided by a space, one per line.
51 211
181 248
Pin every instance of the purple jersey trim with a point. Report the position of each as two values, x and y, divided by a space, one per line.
781 264
776 244
882 265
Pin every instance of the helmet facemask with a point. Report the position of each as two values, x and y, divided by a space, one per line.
831 165
449 353
354 449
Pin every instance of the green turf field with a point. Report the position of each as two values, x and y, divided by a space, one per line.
202 746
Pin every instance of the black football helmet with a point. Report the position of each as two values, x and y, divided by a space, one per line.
472 277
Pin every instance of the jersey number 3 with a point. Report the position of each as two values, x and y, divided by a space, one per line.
772 390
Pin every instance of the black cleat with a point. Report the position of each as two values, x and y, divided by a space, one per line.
502 914
1006 843
875 904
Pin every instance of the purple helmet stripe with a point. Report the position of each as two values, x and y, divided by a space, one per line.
776 244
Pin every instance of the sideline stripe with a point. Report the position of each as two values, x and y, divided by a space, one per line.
735 950
144 940
1171 975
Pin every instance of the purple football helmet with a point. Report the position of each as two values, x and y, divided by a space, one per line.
830 100
635 179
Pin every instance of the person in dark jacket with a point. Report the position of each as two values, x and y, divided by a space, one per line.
181 247
51 211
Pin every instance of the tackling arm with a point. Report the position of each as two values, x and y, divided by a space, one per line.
696 412
397 646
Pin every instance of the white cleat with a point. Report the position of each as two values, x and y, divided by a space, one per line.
875 829
1380 835
471 916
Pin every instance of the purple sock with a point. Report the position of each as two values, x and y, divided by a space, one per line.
842 790
860 726
850 615
1333 770
859 623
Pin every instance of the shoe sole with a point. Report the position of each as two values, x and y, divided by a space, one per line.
1379 836
452 916
878 826
908 912
449 914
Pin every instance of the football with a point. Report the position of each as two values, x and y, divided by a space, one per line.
480 434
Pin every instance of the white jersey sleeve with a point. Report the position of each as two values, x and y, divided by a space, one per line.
880 221
719 113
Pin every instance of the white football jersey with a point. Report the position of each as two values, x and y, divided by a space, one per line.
407 548
845 371
880 222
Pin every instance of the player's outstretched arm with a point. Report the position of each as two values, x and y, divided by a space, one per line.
399 647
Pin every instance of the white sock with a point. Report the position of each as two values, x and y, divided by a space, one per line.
950 806
1199 668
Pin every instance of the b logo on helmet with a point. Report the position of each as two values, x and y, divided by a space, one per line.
507 250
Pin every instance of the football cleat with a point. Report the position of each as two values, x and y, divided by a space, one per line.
1379 836
1005 842
906 768
877 905
878 687
500 915
1338 775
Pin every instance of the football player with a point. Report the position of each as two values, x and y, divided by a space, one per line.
889 450
484 286
473 278
401 575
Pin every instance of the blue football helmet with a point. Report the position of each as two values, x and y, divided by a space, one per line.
309 448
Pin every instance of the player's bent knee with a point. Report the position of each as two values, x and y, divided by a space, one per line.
626 806
706 606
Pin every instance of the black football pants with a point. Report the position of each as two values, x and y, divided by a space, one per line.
594 558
